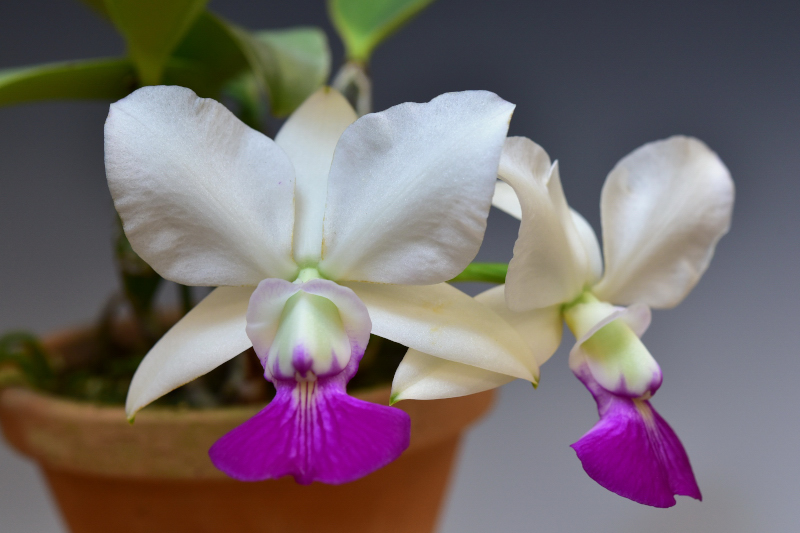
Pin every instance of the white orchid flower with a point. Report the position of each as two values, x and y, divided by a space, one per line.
338 228
664 207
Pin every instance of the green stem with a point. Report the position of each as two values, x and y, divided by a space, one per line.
354 83
483 272
140 283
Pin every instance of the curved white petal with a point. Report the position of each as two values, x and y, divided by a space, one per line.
309 137
541 328
204 199
410 189
663 207
550 265
425 377
211 334
590 245
505 199
442 321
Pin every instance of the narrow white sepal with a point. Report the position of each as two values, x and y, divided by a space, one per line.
442 321
425 377
550 264
541 328
309 138
505 199
209 335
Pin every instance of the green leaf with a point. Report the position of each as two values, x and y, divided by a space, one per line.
152 29
483 272
300 64
207 58
364 24
103 79
139 280
285 65
245 92
289 65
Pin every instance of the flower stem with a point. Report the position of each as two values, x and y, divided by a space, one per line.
483 272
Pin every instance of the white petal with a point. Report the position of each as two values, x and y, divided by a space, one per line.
505 199
425 377
410 189
204 199
211 334
442 321
541 329
309 137
590 245
550 264
663 207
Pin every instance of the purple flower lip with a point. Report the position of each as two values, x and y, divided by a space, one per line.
633 452
313 431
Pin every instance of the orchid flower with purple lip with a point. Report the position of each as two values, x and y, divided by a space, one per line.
337 228
663 207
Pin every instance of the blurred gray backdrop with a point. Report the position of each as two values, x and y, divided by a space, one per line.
592 80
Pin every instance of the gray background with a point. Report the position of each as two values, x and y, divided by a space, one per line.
592 80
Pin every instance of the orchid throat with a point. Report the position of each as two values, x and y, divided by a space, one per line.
310 336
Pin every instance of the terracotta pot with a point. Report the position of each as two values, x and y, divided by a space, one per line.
155 475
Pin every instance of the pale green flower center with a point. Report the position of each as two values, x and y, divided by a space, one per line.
614 354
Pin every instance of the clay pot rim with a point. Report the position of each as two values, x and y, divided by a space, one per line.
23 396
72 435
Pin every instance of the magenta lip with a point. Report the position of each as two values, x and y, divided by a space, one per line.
632 451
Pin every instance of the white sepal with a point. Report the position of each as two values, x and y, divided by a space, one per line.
541 328
442 321
309 138
663 207
209 335
425 377
550 264
590 245
505 199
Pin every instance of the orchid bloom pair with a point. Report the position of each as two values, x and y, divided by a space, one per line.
663 208
337 228
344 226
